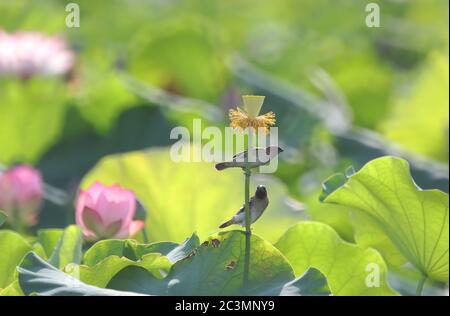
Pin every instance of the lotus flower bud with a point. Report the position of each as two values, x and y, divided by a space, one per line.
105 212
21 193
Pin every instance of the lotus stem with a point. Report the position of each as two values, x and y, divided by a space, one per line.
421 285
145 235
248 231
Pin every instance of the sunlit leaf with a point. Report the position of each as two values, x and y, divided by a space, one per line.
349 269
134 251
68 248
39 277
12 249
414 220
101 273
48 239
218 260
216 268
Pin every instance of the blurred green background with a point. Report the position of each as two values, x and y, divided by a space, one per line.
343 93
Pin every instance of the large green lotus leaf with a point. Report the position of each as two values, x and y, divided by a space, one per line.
367 234
48 239
12 249
347 267
68 249
123 248
38 277
101 273
2 218
107 257
216 268
134 251
363 231
414 220
185 197
312 283
31 116
41 278
334 216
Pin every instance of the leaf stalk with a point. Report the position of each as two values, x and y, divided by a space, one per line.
248 232
421 285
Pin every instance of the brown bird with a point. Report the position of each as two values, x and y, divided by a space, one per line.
258 157
258 204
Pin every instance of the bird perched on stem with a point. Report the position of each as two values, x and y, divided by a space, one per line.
258 204
256 157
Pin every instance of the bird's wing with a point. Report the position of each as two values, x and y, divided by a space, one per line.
243 155
242 209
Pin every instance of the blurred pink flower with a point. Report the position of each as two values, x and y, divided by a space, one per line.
21 193
107 212
26 54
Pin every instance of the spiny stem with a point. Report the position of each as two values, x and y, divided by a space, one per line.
421 285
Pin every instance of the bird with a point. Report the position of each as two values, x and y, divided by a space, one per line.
258 204
259 156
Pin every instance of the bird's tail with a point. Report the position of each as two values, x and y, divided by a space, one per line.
226 224
222 165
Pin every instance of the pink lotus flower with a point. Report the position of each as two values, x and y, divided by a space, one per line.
28 54
21 193
107 212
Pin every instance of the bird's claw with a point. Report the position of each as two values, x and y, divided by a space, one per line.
248 232
247 172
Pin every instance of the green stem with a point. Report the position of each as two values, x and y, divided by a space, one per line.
248 232
17 223
420 285
144 235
